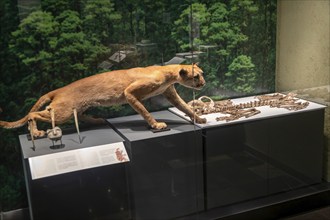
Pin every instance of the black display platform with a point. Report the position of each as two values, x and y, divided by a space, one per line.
56 193
275 151
186 172
265 157
165 171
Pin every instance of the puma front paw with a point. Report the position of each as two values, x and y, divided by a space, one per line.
159 125
199 120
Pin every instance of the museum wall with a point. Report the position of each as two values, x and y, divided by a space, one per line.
303 55
302 44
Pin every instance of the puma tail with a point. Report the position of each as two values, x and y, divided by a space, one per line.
16 124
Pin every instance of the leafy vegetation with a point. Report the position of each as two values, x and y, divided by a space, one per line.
241 76
62 41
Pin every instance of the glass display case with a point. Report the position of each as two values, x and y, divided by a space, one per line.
266 101
270 152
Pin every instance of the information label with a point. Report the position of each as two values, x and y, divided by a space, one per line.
79 159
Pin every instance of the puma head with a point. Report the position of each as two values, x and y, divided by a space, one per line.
191 76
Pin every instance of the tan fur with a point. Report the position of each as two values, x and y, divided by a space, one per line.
114 88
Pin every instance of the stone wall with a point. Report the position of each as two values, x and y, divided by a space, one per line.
303 55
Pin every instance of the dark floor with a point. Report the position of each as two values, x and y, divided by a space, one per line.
317 214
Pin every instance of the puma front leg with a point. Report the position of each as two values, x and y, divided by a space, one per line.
133 94
173 97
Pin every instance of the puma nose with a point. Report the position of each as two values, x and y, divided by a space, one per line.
202 84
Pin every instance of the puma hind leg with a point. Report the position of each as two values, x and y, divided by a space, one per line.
33 117
61 114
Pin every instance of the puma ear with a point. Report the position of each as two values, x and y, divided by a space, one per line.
196 64
183 73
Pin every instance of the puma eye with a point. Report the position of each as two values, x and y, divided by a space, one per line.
196 77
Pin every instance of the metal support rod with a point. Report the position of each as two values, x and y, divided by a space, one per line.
52 116
32 137
77 124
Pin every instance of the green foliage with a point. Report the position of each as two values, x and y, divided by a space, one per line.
11 189
56 7
211 76
54 48
241 75
221 25
190 26
8 23
33 43
99 17
74 51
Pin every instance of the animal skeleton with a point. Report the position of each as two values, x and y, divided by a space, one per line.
247 109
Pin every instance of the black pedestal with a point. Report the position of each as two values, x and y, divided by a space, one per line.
259 158
165 171
93 193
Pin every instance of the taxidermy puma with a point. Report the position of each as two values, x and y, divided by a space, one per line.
114 88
